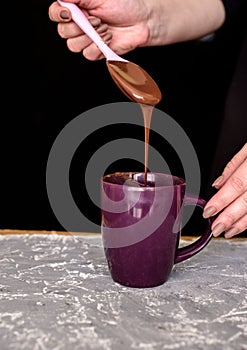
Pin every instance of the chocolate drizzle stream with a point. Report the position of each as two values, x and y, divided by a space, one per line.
139 87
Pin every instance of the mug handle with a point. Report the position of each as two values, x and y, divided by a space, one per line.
188 251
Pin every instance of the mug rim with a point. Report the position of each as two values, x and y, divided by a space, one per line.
179 180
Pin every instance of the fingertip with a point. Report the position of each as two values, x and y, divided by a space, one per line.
64 15
58 13
218 229
107 38
231 232
92 53
208 212
102 29
95 21
217 182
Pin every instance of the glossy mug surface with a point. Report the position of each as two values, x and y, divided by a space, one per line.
141 227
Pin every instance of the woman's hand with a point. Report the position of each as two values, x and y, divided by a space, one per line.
138 23
230 202
126 23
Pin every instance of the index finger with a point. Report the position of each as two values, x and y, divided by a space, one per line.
232 189
231 166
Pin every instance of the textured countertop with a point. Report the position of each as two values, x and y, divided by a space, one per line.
56 293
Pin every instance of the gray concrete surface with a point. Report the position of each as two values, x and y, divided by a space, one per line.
56 293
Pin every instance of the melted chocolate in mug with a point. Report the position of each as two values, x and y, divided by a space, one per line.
138 86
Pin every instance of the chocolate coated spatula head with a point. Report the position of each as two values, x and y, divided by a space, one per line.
131 79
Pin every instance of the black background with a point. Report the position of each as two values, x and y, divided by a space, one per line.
56 85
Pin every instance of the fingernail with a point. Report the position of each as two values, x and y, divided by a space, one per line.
217 182
219 228
102 28
64 14
209 212
231 232
107 37
94 21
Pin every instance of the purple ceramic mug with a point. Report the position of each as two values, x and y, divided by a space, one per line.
141 226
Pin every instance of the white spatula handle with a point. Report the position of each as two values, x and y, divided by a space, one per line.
81 20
